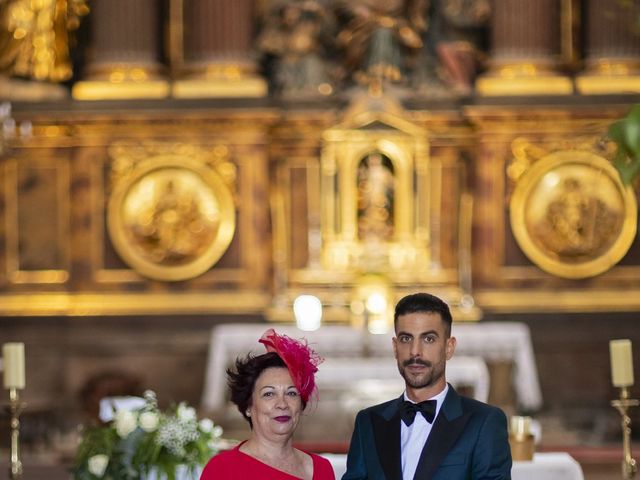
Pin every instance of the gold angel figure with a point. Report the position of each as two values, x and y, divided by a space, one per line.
35 39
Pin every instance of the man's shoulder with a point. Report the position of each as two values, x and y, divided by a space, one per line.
380 407
473 405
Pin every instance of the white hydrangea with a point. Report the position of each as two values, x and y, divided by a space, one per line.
185 413
175 433
125 422
98 464
149 421
206 425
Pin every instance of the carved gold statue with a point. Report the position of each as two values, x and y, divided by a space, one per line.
378 35
295 39
34 37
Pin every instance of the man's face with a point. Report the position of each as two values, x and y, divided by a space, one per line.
422 348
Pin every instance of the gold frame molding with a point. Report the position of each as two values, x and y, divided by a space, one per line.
62 178
584 164
208 184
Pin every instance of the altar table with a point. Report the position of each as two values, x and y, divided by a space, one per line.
545 466
509 341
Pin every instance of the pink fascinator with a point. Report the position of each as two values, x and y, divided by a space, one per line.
302 362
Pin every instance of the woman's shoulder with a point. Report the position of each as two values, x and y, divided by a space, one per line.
322 469
220 464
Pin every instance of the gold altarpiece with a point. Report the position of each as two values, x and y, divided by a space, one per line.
326 200
378 209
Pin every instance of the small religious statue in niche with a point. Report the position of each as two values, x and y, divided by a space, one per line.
577 224
377 37
375 198
295 40
454 45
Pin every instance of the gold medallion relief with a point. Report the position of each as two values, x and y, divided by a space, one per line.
171 216
571 215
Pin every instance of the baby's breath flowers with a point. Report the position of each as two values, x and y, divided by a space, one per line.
146 440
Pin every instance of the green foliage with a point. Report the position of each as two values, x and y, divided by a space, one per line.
137 443
626 134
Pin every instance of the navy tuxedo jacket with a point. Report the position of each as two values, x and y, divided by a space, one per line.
468 440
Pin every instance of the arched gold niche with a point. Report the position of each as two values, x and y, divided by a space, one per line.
377 193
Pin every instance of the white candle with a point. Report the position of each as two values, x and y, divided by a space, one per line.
13 361
621 363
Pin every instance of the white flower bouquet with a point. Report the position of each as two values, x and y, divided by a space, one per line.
145 442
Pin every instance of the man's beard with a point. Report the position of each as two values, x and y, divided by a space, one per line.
425 379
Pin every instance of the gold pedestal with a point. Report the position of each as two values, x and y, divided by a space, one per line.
220 88
523 79
122 82
220 81
522 447
610 76
17 90
602 85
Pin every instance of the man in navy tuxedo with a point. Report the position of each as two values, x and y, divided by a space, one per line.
429 432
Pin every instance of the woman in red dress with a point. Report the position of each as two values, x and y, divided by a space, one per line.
271 391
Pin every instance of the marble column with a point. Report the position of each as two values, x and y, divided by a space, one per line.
125 52
526 49
612 48
217 50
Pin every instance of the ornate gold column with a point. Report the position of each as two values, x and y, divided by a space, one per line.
217 41
612 49
526 39
125 52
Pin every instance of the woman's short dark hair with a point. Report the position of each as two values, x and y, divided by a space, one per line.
243 379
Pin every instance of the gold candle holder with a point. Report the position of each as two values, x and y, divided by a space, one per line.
14 409
629 465
521 440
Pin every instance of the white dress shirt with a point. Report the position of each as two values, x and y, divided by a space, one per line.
414 437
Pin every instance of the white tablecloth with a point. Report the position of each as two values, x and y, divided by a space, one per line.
548 466
504 341
545 466
337 343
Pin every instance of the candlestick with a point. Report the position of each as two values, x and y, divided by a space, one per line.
629 465
13 360
621 363
14 408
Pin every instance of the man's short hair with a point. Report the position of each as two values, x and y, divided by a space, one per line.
423 303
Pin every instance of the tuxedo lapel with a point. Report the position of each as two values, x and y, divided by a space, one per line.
447 428
386 431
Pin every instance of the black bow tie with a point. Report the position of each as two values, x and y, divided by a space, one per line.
408 411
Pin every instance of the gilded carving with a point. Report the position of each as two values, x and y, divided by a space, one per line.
571 215
171 209
35 38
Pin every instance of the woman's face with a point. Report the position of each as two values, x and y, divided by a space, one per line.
276 404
